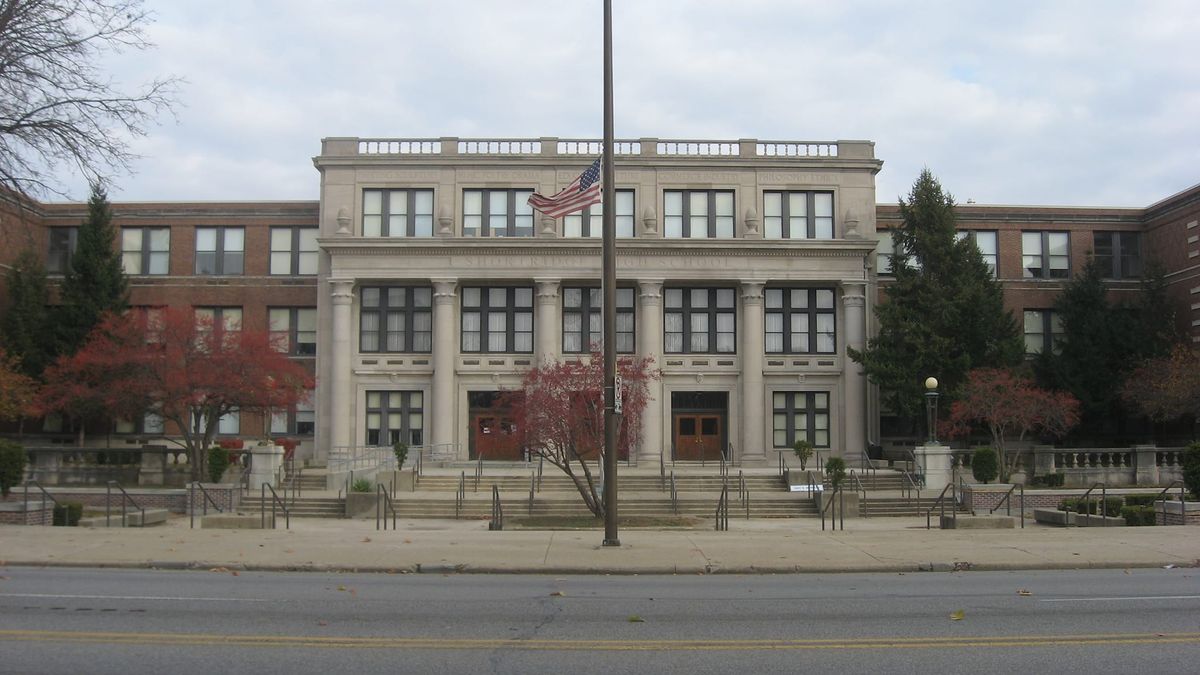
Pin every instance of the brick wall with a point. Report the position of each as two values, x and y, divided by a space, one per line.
33 514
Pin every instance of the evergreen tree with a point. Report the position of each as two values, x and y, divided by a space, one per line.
1103 341
943 315
95 282
26 323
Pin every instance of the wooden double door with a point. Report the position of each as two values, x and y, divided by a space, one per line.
698 435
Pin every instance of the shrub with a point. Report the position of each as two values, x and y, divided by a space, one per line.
1191 469
1138 516
360 485
984 465
12 465
803 450
1111 507
67 514
218 461
1140 500
400 449
835 471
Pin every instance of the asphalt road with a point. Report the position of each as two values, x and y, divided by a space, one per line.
62 620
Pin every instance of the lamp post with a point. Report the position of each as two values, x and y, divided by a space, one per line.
931 401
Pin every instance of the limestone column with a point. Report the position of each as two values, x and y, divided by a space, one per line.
854 416
548 318
341 427
754 414
650 344
445 342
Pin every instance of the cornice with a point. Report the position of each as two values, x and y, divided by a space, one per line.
745 248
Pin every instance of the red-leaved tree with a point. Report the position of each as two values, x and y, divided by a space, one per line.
558 414
1167 387
1008 405
16 389
178 365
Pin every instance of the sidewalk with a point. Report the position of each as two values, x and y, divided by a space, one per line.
755 546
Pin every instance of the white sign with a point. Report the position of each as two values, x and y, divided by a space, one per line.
617 393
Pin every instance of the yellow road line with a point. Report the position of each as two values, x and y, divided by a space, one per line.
321 642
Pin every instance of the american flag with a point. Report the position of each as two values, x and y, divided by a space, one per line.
580 194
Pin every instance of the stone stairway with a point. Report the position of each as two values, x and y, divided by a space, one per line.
301 507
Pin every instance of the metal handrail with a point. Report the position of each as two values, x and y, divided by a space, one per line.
287 515
662 472
745 493
1007 502
1101 509
868 465
782 465
674 496
532 485
837 495
478 471
204 503
724 465
1162 496
917 468
384 504
497 510
907 491
124 497
460 494
961 494
940 502
45 495
722 515
859 489
541 465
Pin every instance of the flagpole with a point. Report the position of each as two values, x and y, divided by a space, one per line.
608 287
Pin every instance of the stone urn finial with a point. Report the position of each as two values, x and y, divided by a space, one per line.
548 228
343 221
752 223
445 223
851 227
649 221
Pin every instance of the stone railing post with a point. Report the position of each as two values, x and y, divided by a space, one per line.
1043 460
1145 464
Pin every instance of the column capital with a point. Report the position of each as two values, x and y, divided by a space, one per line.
547 291
342 291
854 293
650 291
443 291
752 292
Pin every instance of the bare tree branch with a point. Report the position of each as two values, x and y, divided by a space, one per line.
58 109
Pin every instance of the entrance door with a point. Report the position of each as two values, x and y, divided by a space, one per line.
697 436
491 437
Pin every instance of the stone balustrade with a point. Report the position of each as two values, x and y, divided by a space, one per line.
148 465
451 146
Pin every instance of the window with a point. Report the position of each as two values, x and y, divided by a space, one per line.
146 250
1118 255
800 321
219 250
1044 255
149 423
798 215
700 321
497 213
396 319
397 213
394 416
800 415
293 250
63 241
698 214
294 329
985 241
589 222
583 320
1043 331
884 252
221 319
301 420
228 424
497 320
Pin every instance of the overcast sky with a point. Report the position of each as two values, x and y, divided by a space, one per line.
1008 102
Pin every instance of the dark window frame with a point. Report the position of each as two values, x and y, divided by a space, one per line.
973 235
219 260
1045 271
785 225
1117 256
406 409
293 329
586 215
293 251
58 261
145 251
410 309
410 225
810 410
510 311
1046 319
292 422
687 311
711 217
812 311
485 214
586 310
